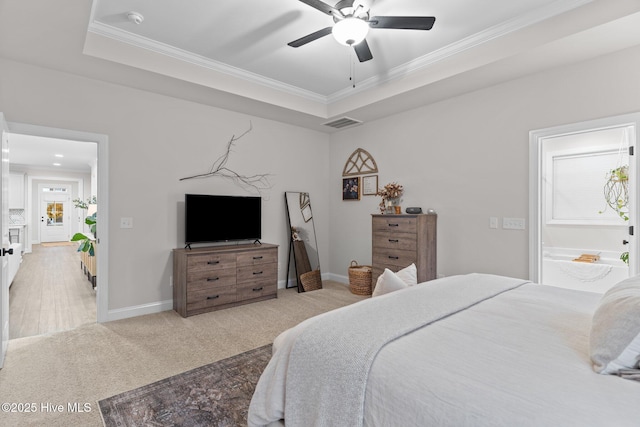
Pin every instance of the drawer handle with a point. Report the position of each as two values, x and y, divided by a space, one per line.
394 225
212 279
393 257
257 257
214 297
213 262
257 272
394 240
257 289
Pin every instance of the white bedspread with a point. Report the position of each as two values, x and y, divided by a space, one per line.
519 358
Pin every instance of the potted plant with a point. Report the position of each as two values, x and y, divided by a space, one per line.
87 243
616 194
390 194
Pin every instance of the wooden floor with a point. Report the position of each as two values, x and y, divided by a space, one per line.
50 293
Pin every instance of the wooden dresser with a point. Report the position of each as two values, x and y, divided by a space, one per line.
399 240
217 277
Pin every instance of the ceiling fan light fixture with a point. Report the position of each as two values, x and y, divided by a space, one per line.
350 31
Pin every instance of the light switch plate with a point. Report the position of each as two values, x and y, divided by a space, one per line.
493 222
126 222
513 223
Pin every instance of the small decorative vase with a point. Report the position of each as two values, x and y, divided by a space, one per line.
398 209
391 205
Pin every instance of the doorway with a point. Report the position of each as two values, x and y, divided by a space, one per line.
55 213
582 203
100 190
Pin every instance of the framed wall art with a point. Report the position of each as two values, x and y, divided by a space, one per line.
370 185
351 188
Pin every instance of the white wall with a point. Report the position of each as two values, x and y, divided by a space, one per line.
154 141
467 157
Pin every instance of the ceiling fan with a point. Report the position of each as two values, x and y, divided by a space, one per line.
352 23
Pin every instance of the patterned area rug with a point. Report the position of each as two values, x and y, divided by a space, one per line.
217 394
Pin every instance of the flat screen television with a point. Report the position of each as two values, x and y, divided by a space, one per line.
211 218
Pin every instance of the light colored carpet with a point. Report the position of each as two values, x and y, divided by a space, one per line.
97 361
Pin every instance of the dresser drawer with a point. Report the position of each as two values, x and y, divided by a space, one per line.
211 297
210 261
396 258
223 276
386 240
256 289
394 224
213 278
257 272
264 256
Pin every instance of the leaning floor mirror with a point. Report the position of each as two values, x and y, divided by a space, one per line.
303 247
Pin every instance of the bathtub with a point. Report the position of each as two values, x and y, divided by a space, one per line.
558 269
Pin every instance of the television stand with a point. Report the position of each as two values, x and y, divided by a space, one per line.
217 277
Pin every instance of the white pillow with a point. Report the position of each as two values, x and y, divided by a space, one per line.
615 329
388 282
409 275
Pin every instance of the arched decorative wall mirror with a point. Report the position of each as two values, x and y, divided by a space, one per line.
303 245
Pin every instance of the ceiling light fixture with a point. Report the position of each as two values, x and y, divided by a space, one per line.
57 164
59 155
350 31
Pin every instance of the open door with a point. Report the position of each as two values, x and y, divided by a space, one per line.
4 230
559 212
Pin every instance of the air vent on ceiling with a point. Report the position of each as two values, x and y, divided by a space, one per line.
343 122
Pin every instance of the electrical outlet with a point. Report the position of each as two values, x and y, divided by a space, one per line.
513 223
126 222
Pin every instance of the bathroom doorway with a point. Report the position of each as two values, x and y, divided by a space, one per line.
583 198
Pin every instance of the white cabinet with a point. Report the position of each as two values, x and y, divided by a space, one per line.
16 191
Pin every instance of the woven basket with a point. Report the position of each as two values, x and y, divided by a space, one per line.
359 279
311 280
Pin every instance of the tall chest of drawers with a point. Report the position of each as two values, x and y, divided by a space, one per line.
213 278
399 240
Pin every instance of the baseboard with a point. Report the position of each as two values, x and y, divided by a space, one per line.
139 310
157 307
336 278
325 276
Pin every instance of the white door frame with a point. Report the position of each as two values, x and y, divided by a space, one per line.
4 241
536 137
102 290
32 237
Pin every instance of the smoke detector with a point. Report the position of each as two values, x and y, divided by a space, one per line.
135 17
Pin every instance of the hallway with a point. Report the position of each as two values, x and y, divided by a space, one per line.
50 293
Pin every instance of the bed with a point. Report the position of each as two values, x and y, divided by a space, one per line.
469 350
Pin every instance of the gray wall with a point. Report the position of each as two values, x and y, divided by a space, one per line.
154 141
467 157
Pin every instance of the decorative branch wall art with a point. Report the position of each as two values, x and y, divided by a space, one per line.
258 182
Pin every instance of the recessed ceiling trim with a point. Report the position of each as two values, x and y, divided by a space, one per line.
460 46
201 61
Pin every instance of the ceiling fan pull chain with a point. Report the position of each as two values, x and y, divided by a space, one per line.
352 68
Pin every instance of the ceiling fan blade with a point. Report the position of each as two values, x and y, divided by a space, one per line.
362 51
322 7
402 22
310 37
